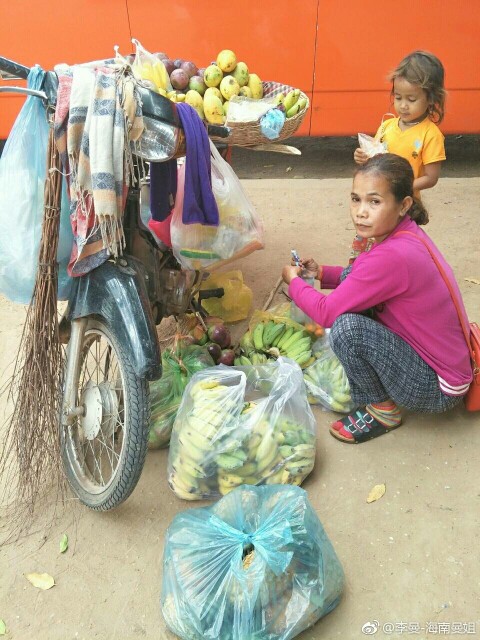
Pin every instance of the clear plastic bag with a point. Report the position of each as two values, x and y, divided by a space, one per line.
179 364
326 381
150 69
22 178
240 230
243 109
236 302
241 425
370 145
255 565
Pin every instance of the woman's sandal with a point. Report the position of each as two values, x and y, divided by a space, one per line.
362 426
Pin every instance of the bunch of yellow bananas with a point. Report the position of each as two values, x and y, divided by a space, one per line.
294 102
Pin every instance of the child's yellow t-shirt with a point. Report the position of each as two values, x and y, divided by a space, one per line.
421 144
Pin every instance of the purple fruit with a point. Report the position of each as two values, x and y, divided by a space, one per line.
201 72
197 83
190 68
179 79
161 55
169 65
214 350
220 334
178 62
227 357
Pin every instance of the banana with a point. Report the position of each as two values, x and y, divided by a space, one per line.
242 361
302 466
247 469
230 479
194 440
210 383
295 337
182 483
228 462
299 348
258 358
189 466
206 429
278 337
291 98
302 103
267 334
305 450
277 331
258 336
184 495
246 343
303 358
294 110
279 98
285 337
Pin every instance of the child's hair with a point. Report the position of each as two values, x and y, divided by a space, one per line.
426 70
399 174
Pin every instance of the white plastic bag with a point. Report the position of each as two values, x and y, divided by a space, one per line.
240 230
370 145
22 178
241 425
326 381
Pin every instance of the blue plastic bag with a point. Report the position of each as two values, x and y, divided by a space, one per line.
256 565
22 178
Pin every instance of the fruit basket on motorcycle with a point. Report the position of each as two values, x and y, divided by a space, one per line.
246 134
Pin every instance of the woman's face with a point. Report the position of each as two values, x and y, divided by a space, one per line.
374 210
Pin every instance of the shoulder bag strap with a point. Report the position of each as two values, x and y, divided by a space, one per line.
466 330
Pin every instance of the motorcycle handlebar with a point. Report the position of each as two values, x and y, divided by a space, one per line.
14 68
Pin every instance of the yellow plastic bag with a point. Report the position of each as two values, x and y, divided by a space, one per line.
149 68
236 303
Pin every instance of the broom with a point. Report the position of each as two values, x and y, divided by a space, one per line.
31 458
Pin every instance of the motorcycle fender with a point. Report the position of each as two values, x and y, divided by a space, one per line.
117 292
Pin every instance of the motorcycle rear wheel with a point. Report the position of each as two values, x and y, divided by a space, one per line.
104 449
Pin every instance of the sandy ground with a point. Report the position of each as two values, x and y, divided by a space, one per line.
411 558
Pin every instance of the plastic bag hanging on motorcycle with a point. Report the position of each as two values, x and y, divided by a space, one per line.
22 178
240 230
257 564
241 425
326 381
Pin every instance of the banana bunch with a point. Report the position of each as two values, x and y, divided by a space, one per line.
275 339
327 384
282 453
192 464
294 103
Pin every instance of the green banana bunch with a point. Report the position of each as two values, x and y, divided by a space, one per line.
242 361
327 384
297 107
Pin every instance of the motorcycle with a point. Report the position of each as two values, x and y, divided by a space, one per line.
109 326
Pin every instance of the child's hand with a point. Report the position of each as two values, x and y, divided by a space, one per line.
360 156
289 273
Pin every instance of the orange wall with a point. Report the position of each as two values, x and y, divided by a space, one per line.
342 65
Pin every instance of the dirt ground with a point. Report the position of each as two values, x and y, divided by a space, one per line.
410 559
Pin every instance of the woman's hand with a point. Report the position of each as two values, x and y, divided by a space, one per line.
310 268
360 156
289 273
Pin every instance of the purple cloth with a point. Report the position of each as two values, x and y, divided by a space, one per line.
199 204
163 188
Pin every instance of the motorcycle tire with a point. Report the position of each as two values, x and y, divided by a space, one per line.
104 449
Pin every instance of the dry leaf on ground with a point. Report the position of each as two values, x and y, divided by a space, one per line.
474 280
41 580
376 493
3 627
64 543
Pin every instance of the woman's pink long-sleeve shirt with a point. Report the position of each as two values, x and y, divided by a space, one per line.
399 278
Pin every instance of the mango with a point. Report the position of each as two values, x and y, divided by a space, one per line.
226 104
256 86
227 60
213 109
229 87
213 91
240 73
213 76
195 100
246 92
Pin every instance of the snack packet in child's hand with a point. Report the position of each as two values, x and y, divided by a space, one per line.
370 145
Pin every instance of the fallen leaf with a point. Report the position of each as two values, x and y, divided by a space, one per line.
376 493
474 280
288 169
41 580
64 543
3 628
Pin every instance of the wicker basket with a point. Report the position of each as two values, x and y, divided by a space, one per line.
247 134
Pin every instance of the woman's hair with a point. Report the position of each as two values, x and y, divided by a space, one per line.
399 174
426 70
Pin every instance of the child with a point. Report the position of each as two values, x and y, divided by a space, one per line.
413 352
419 100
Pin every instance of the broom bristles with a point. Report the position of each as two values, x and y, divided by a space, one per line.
31 456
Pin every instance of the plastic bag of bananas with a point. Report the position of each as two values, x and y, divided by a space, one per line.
179 364
326 381
241 425
256 564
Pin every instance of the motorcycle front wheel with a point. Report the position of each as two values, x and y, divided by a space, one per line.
105 445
